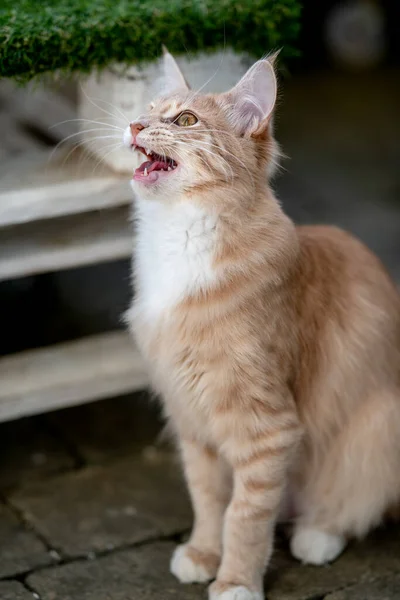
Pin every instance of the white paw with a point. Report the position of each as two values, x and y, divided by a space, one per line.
238 592
315 547
185 569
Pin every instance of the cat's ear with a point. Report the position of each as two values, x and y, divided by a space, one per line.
252 100
173 79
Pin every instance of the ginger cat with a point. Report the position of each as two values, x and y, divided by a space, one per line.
275 348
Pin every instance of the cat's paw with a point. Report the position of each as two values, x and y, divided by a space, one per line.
190 565
316 547
221 590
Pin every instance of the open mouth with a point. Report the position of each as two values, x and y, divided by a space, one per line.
154 167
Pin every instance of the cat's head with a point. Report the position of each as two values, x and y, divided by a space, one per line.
192 142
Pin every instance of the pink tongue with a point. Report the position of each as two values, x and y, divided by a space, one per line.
152 170
157 165
150 177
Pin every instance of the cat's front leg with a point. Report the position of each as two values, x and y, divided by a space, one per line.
259 465
209 485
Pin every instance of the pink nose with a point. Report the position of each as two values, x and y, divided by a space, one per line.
135 129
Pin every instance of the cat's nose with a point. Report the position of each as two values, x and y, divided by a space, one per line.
136 128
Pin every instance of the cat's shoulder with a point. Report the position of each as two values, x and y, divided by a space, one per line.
330 239
335 254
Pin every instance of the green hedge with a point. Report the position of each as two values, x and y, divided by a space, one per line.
37 36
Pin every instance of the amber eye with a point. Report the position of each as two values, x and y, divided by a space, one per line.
186 119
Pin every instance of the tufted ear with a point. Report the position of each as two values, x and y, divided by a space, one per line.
252 100
173 79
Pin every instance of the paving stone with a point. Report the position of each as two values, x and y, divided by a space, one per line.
387 588
13 590
142 573
376 557
99 508
32 453
20 549
110 428
136 574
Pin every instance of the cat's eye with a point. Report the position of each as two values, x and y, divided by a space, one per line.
186 119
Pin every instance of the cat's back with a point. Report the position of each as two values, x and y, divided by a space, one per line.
338 260
348 309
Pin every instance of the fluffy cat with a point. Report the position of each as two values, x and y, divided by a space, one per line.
275 348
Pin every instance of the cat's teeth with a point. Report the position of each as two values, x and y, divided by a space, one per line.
145 172
148 152
169 168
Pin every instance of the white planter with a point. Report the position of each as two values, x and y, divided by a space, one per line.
123 94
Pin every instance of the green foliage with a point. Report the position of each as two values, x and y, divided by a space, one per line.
37 36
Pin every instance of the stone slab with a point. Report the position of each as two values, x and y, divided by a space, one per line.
31 453
13 590
387 588
116 427
142 573
20 549
377 556
100 508
136 574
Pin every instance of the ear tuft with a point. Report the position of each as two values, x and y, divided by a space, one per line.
273 57
252 100
172 79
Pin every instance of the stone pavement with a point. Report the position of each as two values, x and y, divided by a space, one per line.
92 506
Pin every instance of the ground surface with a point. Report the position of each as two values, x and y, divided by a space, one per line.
91 510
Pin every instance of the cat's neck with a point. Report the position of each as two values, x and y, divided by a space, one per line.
175 246
186 246
176 228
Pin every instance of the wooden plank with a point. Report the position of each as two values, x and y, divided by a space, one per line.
48 183
66 242
68 374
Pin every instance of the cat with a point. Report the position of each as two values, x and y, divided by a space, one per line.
275 348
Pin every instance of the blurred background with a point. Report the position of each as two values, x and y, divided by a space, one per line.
337 122
66 277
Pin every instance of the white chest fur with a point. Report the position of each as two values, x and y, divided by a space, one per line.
174 252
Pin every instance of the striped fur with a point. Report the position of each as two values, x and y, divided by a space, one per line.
275 349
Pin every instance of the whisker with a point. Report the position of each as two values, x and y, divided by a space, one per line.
208 151
225 151
86 150
109 125
197 92
80 133
94 103
102 159
114 107
218 157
